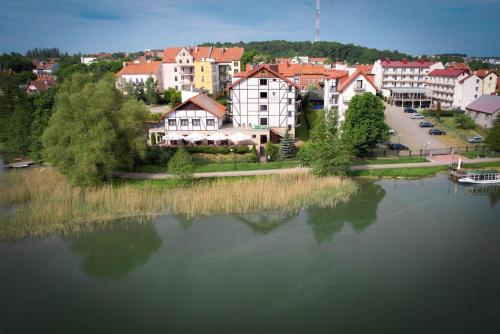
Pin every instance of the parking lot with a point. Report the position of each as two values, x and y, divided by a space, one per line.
408 132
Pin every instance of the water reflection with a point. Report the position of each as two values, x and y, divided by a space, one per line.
359 212
117 250
265 222
492 191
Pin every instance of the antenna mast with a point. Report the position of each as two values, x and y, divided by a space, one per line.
317 20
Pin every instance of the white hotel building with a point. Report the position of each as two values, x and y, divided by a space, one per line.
454 88
404 82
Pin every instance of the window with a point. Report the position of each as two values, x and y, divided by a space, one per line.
184 122
263 95
202 79
263 107
359 83
477 88
263 82
180 61
263 121
475 96
171 122
289 113
175 69
210 122
196 122
289 101
290 88
175 78
477 80
183 54
202 69
236 71
236 64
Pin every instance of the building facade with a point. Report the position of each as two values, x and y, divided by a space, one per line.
454 88
263 99
489 81
139 73
484 110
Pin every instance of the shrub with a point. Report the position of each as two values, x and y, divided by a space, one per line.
272 151
253 154
181 164
218 149
464 122
287 147
156 155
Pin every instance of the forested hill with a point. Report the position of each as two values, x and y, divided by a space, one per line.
333 50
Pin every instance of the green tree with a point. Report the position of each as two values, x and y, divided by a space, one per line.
152 95
181 164
43 103
253 156
364 123
272 151
438 111
328 152
464 121
287 147
94 130
172 97
493 138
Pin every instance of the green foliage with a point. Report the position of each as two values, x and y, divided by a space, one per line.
156 155
181 164
218 149
15 62
287 147
328 152
272 151
154 117
152 95
364 124
172 97
253 156
43 53
438 111
492 140
464 122
43 103
94 130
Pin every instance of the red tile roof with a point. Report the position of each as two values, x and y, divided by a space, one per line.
205 103
365 68
252 72
224 55
42 83
345 81
221 55
140 68
448 72
459 66
310 74
405 63
483 73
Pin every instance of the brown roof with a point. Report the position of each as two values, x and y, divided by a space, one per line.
488 104
459 66
345 81
365 68
483 73
140 68
448 72
42 83
205 103
252 72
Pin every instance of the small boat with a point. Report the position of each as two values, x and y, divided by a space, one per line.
480 177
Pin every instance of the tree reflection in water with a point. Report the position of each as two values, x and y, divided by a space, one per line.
359 212
114 252
265 222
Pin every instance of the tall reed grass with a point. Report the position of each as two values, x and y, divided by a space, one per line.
41 201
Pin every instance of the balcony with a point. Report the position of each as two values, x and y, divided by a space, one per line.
334 102
333 89
359 88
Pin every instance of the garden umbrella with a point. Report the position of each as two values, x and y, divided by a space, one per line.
194 137
239 137
217 136
173 136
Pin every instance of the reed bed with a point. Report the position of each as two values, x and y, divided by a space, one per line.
41 201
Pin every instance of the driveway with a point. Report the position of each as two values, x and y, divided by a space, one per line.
408 132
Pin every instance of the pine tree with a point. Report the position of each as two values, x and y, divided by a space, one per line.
493 137
287 148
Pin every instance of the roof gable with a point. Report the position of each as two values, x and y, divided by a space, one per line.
202 101
263 71
488 104
346 81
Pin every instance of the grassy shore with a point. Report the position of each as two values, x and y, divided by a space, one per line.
223 167
389 161
43 202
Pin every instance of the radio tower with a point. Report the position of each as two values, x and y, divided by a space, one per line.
316 39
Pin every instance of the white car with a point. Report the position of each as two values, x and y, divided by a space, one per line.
417 116
392 131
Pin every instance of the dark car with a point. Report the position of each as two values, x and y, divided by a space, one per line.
410 110
426 125
398 147
436 132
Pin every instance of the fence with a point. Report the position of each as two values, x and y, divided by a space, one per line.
380 152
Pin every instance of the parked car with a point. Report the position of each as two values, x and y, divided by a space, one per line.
392 131
382 144
436 132
398 147
410 110
417 116
426 125
475 140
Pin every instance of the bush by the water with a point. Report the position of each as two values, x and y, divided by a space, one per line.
464 122
181 164
272 151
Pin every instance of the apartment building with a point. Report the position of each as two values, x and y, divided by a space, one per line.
214 71
341 88
488 80
454 88
403 82
261 98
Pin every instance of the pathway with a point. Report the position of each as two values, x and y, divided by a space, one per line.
438 162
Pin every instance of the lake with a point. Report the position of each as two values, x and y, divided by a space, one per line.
403 256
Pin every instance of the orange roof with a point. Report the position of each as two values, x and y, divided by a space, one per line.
140 68
345 81
205 103
365 68
224 55
459 66
252 72
484 72
318 59
221 55
169 54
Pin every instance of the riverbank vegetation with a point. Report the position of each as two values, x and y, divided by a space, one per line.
42 201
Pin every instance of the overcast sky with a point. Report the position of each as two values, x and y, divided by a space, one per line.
415 27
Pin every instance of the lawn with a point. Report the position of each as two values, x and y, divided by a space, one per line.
245 166
486 154
455 137
388 161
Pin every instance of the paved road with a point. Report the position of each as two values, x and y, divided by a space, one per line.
407 130
440 162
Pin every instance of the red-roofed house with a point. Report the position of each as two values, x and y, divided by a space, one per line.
139 73
454 88
306 75
261 98
340 89
41 84
489 80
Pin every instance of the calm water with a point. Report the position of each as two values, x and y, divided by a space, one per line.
402 257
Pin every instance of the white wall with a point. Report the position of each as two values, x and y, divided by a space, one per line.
468 91
202 115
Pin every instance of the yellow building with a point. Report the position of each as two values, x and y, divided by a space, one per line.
206 75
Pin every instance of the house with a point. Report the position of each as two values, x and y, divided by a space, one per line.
261 98
87 60
306 76
340 89
459 66
484 110
404 82
454 88
489 80
46 67
41 84
199 113
210 68
137 73
318 61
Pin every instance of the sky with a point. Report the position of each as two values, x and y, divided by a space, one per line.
416 27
